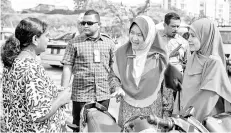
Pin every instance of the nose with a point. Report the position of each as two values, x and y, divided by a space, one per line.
189 38
175 28
85 25
134 37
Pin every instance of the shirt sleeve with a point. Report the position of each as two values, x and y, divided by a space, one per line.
114 81
69 56
40 91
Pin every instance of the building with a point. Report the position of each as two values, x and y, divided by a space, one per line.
179 4
229 12
217 10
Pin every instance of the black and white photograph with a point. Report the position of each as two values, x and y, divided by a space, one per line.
115 66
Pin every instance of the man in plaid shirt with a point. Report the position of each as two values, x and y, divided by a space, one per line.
89 58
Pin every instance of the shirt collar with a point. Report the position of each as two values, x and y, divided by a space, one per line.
163 34
85 38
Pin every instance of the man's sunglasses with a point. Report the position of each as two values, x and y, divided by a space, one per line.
88 23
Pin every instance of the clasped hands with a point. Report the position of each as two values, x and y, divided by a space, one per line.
118 94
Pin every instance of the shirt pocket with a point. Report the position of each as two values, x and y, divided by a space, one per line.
84 55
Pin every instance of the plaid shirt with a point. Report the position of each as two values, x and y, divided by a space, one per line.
92 80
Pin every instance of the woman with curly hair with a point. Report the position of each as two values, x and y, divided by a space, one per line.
31 102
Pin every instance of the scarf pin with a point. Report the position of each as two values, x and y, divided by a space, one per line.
131 56
156 55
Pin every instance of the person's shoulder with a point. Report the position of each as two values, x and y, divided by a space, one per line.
123 47
215 60
106 37
160 32
25 63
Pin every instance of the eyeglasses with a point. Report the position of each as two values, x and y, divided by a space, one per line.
88 23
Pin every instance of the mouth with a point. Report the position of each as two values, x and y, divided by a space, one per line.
135 43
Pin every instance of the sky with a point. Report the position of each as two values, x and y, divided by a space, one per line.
19 5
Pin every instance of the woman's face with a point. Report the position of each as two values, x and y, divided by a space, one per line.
42 42
136 37
194 42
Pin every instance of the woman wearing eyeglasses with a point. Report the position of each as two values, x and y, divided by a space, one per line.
206 86
140 64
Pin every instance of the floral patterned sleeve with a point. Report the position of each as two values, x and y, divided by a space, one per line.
40 91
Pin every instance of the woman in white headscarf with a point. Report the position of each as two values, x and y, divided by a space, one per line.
205 84
139 64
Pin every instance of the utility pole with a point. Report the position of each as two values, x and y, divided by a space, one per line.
205 8
215 9
1 16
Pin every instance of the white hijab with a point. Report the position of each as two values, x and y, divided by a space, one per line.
141 53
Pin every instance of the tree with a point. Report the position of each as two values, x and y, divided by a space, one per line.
117 10
142 9
81 4
120 15
6 9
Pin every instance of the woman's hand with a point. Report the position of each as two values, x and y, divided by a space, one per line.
119 93
63 98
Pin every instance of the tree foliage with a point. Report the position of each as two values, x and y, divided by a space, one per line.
81 4
122 15
119 14
6 6
6 9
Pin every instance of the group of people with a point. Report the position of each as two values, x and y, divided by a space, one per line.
134 73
